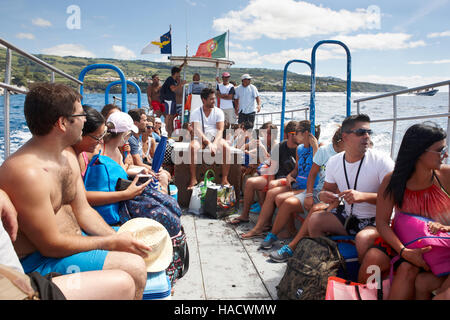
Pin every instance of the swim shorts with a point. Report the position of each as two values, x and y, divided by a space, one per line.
158 106
170 107
355 224
84 261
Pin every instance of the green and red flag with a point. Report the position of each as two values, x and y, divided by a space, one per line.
213 48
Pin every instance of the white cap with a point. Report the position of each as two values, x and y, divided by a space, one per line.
157 120
122 122
245 76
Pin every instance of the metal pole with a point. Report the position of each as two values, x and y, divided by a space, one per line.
394 126
448 120
52 77
6 102
358 108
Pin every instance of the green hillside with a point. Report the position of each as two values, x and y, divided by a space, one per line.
26 71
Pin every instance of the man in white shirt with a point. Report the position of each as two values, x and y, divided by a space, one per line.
225 93
208 125
247 101
353 177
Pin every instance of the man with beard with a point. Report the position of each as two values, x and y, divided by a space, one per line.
352 178
58 230
208 125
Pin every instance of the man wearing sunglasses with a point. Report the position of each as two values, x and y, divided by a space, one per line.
351 184
59 230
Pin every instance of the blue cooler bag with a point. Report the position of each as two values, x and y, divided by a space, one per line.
158 286
346 246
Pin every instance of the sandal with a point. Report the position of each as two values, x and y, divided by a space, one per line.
237 221
252 236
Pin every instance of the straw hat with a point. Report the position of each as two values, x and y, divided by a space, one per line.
154 235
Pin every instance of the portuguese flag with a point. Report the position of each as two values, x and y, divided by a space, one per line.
213 48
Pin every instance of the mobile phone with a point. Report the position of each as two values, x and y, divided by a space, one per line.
142 178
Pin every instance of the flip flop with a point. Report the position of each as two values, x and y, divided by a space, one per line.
238 221
253 236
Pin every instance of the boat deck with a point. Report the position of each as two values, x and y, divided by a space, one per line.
224 267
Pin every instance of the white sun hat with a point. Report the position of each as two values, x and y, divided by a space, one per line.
122 122
154 235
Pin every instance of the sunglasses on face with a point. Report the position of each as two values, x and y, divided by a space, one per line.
442 152
361 131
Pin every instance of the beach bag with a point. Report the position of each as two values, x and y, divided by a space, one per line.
306 276
412 230
180 261
341 289
220 201
102 174
155 205
199 192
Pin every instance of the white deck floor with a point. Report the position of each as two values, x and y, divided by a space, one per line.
224 267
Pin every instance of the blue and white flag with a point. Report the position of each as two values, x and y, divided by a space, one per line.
162 45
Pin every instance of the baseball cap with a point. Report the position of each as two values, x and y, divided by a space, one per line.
225 74
122 122
158 120
245 76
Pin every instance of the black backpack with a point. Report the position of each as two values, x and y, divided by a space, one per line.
307 272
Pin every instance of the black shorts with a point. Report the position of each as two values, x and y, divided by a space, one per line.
243 117
354 225
45 287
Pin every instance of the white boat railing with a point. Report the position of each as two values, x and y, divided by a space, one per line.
260 118
395 117
10 88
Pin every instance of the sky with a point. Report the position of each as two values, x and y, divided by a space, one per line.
397 42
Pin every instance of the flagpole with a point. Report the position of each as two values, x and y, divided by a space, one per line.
228 44
170 32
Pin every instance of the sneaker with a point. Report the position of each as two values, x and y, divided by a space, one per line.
268 241
256 208
281 255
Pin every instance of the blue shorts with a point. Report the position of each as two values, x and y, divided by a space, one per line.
170 107
84 261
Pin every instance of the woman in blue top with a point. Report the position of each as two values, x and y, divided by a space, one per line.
305 152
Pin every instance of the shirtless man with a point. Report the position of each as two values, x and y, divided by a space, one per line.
44 183
153 96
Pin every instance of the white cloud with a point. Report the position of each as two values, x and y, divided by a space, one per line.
191 3
280 58
69 49
292 19
22 35
444 61
41 22
439 34
380 41
121 52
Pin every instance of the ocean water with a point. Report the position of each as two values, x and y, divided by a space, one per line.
330 111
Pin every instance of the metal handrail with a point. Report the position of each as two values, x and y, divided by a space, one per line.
395 119
8 87
271 114
39 61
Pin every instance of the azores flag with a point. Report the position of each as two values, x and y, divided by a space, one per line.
212 48
162 45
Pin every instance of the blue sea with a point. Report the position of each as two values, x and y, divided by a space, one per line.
330 110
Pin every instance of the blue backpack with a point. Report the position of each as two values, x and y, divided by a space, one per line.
102 174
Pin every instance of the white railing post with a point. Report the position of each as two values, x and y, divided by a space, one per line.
394 126
6 103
